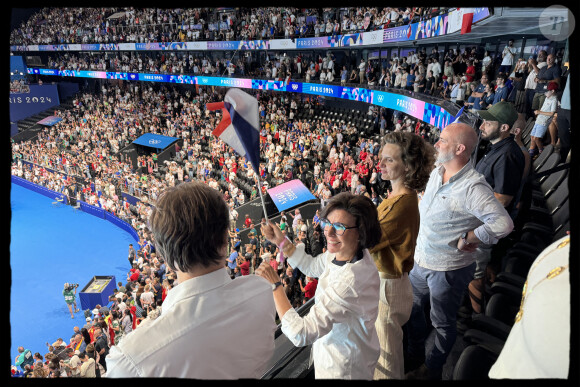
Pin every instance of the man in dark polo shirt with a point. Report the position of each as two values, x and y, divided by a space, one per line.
503 167
503 164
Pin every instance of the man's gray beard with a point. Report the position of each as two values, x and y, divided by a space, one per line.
442 158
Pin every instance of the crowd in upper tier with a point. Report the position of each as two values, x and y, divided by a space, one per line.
147 25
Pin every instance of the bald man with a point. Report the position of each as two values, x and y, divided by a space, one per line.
458 211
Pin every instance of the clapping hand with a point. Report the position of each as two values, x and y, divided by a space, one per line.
266 271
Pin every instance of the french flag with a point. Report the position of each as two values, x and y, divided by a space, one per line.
239 127
467 20
456 118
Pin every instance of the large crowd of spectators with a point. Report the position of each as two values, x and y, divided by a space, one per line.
79 157
85 145
452 75
147 25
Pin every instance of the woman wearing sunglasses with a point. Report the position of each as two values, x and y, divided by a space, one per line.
341 324
406 162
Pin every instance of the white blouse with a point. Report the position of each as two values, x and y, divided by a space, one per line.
341 323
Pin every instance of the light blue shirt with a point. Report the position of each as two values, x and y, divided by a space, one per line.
466 202
233 256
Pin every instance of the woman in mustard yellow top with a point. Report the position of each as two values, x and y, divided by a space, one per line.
406 161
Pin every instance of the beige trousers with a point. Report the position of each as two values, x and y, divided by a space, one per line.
396 301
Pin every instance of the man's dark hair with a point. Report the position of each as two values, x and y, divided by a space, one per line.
190 224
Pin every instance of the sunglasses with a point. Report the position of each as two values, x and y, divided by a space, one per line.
339 228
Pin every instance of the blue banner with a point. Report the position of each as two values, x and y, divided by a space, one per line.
294 87
254 45
40 98
92 210
161 46
189 79
153 77
480 14
156 141
112 75
321 89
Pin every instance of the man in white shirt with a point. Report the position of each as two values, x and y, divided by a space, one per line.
543 118
508 54
88 368
436 68
530 85
193 337
458 211
361 70
330 65
413 58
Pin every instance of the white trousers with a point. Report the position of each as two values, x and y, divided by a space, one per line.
396 302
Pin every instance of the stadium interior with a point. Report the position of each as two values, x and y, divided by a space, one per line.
108 107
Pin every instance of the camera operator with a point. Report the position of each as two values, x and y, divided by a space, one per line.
70 297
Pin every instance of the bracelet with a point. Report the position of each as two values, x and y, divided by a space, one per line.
281 246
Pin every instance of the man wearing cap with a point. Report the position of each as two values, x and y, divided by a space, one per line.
543 118
503 168
503 164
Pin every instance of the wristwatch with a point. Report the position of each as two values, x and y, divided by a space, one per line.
464 238
275 285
